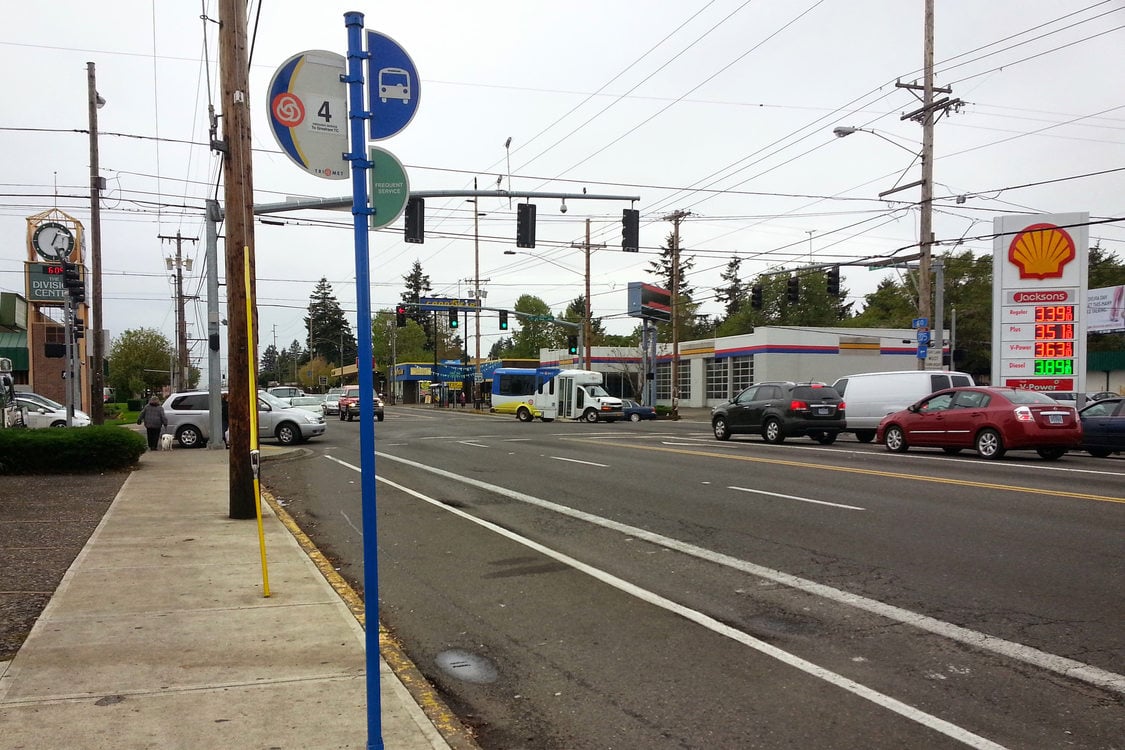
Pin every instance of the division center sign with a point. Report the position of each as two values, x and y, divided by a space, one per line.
309 114
1039 285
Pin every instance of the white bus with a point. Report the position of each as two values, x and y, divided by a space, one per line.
550 393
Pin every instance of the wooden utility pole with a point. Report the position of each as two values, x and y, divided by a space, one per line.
180 382
587 330
239 209
676 217
97 379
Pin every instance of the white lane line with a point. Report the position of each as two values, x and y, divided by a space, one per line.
470 442
794 497
884 701
1071 668
576 461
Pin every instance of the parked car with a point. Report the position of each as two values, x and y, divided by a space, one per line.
780 410
349 404
42 412
189 419
51 403
313 403
635 412
285 391
873 395
990 420
1102 395
1103 427
331 403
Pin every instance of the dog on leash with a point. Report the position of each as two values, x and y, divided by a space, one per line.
166 442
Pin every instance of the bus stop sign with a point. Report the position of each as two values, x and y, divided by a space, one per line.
393 88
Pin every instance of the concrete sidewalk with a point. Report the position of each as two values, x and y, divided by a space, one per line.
159 637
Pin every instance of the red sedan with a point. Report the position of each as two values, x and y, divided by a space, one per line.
989 420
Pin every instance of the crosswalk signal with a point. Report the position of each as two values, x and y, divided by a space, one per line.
415 220
503 320
834 281
630 230
572 344
525 225
453 322
400 315
756 296
793 289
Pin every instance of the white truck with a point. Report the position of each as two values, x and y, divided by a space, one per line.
576 394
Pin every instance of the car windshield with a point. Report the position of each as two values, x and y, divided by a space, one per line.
1029 397
273 401
36 398
597 390
335 391
304 401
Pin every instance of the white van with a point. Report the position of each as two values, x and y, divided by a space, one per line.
870 396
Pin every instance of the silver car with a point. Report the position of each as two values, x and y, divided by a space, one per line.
189 419
331 405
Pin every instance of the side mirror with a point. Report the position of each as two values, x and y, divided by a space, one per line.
914 408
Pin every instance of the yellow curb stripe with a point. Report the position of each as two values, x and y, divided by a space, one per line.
868 472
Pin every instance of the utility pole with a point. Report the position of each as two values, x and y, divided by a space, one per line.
476 294
586 329
180 381
238 198
97 379
676 217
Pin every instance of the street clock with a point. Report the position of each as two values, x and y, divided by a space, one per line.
53 241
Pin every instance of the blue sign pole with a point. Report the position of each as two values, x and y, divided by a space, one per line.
360 213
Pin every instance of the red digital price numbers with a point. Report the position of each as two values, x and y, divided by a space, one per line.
1051 349
1053 331
1054 314
54 270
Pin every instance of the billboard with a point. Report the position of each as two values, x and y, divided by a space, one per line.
649 302
1105 309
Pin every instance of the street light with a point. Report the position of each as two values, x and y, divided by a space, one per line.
925 223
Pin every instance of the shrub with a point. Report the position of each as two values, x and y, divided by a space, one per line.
69 450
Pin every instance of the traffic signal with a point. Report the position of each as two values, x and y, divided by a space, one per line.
415 220
572 344
503 320
79 328
756 296
834 281
400 315
793 289
453 322
525 225
72 280
630 230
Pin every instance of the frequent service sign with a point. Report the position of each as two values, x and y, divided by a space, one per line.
1039 286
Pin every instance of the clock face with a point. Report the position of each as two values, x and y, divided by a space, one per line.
53 241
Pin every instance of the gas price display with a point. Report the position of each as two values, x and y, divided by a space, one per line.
1054 340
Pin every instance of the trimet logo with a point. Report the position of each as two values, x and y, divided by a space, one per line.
1040 251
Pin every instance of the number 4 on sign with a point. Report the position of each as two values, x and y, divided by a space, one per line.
325 111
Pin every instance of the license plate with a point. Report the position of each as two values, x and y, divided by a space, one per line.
823 410
1055 418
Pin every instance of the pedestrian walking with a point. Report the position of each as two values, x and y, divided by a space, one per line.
462 399
153 418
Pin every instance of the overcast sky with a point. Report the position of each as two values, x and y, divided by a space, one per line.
724 109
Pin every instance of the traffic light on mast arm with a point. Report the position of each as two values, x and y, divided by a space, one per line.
453 321
503 320
630 230
834 281
756 296
525 225
415 220
572 344
400 315
793 289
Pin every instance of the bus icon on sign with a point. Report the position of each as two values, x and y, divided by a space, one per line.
394 83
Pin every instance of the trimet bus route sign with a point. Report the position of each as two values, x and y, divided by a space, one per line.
309 113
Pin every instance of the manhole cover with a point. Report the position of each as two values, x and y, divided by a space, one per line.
466 666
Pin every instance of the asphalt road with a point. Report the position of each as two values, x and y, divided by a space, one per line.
644 585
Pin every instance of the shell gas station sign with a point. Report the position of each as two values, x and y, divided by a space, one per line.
1039 280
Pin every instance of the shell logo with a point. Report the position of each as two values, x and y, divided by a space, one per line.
1041 250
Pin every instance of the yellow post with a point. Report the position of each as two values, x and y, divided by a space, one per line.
255 453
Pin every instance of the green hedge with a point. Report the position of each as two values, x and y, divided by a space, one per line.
69 450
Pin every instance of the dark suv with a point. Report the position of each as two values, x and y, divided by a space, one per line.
780 410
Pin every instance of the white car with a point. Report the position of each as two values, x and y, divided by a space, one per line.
313 403
40 411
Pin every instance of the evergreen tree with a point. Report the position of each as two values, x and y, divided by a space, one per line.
575 313
733 294
268 369
329 332
417 285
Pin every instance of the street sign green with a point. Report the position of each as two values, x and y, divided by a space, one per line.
390 188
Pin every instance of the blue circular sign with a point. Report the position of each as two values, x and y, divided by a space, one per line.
393 87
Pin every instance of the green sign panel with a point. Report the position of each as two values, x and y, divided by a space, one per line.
45 283
390 188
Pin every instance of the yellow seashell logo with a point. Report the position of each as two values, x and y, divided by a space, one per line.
1041 250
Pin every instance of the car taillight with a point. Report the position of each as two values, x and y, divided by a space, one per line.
840 406
1023 414
796 405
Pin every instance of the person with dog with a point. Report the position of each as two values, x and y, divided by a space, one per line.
154 419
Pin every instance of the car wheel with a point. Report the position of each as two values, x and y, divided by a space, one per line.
1099 452
771 432
380 417
895 439
865 436
59 423
523 414
634 417
342 417
590 416
720 428
951 450
190 437
1051 454
825 438
350 415
288 434
989 444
